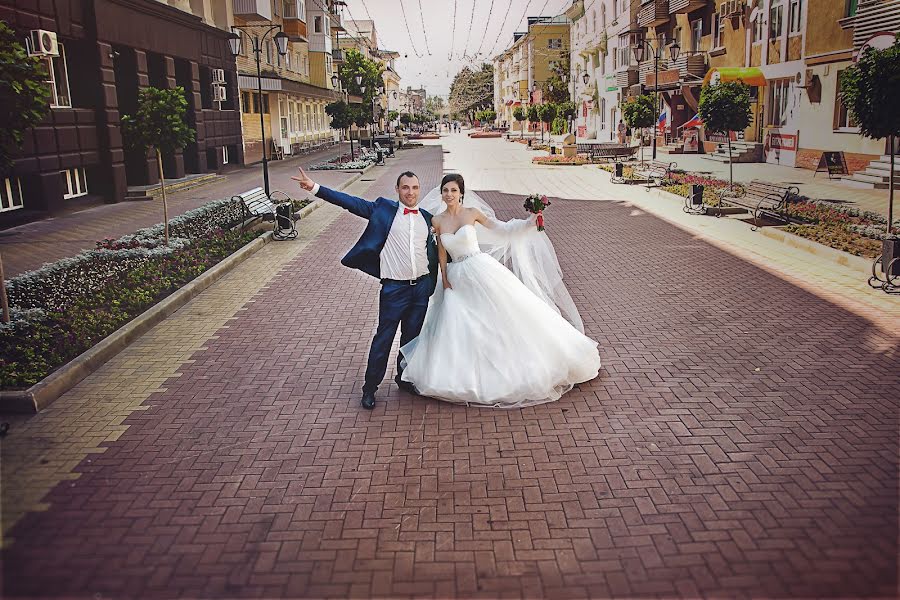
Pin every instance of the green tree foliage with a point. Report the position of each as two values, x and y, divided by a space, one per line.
355 63
559 126
725 107
520 114
638 113
868 89
24 94
533 114
159 124
472 91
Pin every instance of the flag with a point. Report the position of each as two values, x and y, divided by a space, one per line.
661 124
696 121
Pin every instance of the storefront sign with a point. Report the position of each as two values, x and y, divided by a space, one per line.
691 140
834 163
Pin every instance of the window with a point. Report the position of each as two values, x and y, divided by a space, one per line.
851 7
696 35
776 17
75 183
603 17
758 30
287 61
676 37
10 194
779 90
554 43
269 52
224 155
718 31
245 102
602 113
317 24
794 17
843 119
58 79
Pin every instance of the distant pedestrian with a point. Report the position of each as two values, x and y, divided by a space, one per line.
622 131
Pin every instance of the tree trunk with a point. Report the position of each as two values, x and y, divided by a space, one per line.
4 301
730 163
890 223
162 185
642 146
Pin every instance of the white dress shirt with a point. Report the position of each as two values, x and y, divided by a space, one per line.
404 255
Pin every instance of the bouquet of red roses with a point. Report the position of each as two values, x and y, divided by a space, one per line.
535 204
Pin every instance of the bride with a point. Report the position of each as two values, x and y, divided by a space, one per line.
495 336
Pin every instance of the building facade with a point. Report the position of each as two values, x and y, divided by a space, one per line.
77 156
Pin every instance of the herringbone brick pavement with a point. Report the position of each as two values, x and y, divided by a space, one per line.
741 440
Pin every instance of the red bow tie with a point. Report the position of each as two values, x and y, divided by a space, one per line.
414 211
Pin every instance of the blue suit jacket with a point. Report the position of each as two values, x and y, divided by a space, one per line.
366 254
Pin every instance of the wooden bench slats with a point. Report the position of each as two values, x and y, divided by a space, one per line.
763 197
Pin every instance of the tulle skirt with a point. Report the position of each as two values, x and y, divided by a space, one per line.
489 341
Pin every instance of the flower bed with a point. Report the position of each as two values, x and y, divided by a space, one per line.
557 159
66 307
360 160
844 228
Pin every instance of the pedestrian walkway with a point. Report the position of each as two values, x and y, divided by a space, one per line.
29 246
741 439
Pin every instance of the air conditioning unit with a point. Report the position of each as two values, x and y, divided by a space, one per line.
43 43
219 93
218 75
805 78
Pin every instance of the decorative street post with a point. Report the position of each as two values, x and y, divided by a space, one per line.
674 51
281 40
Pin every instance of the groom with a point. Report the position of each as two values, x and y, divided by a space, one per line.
397 249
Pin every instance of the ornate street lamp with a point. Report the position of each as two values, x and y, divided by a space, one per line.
639 54
234 44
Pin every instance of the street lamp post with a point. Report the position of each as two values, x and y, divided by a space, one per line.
638 49
281 40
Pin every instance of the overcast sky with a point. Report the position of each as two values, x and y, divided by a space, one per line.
427 59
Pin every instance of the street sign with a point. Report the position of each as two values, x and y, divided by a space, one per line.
834 163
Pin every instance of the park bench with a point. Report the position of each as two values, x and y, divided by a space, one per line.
763 198
606 151
652 173
256 205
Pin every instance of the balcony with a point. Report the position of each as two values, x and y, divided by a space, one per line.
653 13
685 6
337 20
646 71
626 77
337 56
253 10
691 67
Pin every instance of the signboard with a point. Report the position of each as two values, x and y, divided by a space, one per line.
780 148
834 163
691 140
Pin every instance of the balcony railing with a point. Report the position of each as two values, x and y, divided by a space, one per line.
646 68
626 77
691 67
253 9
653 13
685 6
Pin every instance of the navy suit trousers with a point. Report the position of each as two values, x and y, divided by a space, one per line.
400 304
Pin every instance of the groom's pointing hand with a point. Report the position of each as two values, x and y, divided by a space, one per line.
305 182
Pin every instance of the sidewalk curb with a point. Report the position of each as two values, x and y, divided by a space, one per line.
60 381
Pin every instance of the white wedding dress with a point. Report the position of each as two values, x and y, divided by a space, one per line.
491 340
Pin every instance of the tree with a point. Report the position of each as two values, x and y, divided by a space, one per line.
520 115
472 91
405 119
546 113
533 114
868 89
566 110
393 115
638 114
24 94
159 124
355 63
725 107
341 115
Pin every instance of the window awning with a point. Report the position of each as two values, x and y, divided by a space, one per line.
749 75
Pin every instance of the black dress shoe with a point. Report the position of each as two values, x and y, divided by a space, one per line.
368 400
406 386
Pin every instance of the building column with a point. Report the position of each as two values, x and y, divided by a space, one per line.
112 153
143 76
196 104
173 162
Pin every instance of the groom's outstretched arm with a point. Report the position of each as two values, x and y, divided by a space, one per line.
358 206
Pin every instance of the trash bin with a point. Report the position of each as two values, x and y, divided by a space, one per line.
696 195
620 170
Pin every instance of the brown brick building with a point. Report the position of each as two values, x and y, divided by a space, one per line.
106 51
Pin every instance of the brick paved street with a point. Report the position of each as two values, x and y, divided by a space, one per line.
29 246
741 440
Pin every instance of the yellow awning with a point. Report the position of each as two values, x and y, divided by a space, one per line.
749 75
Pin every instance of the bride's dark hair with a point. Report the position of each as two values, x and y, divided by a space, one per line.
459 181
